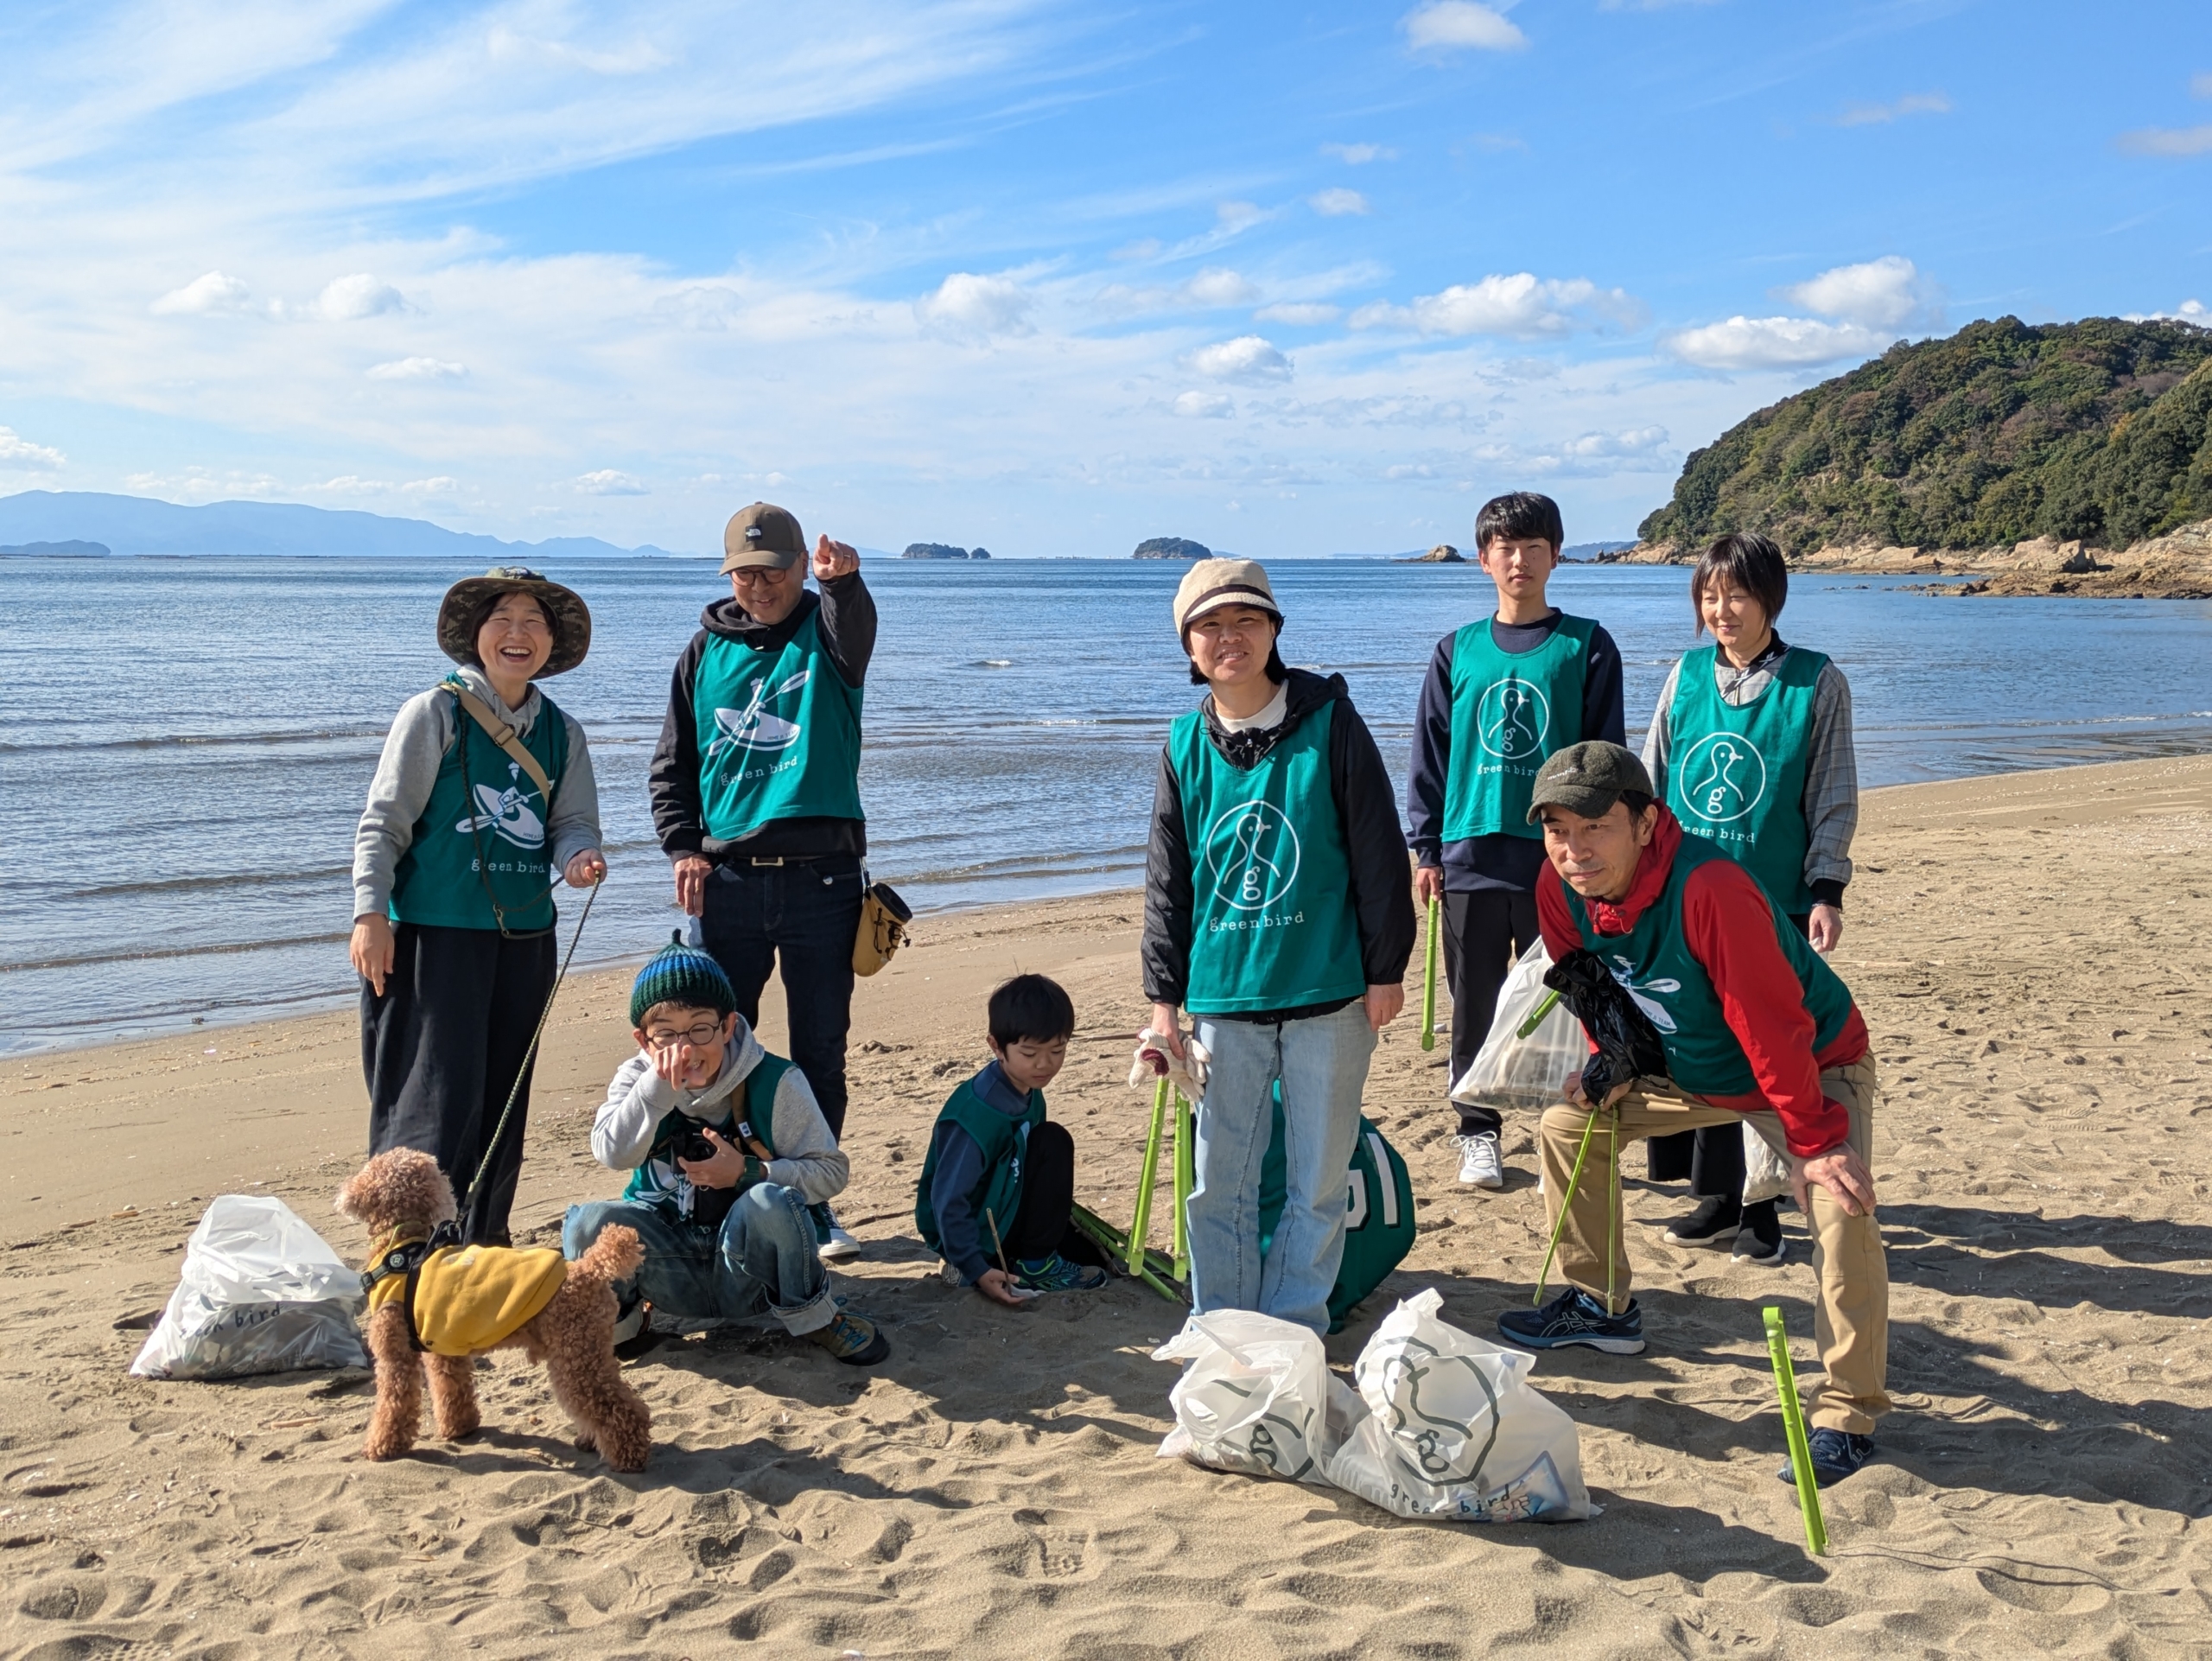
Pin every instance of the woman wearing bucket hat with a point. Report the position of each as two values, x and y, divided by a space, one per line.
484 793
1279 912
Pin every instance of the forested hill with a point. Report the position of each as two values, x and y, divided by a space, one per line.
2100 429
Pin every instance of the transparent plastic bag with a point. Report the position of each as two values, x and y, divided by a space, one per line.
1257 1397
260 1292
1510 1071
1453 1429
1766 1173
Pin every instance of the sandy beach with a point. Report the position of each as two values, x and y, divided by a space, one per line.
2032 951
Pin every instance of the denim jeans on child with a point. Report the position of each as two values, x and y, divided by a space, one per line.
1322 1061
762 1258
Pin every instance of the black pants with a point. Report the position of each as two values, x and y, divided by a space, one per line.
440 1048
1041 1225
1484 930
802 918
1712 1158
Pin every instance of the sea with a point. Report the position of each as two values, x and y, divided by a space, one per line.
185 743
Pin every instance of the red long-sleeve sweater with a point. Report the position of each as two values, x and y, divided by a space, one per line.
1729 925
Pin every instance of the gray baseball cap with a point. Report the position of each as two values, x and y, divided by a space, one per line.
1588 779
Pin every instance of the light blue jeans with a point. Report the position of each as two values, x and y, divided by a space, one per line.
762 1259
1322 1062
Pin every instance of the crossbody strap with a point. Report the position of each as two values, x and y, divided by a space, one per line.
504 736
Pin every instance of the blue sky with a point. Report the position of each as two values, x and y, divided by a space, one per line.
1048 279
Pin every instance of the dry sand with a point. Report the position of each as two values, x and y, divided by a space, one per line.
2032 951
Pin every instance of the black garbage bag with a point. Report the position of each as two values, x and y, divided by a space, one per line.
1628 1044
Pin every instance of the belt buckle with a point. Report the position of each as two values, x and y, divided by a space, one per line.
776 859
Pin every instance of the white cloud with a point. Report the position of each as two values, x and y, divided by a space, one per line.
1637 441
417 369
1218 286
1303 312
607 481
1885 293
1215 405
1771 343
1232 217
2200 85
2167 140
1877 114
1447 25
213 292
1214 287
2189 311
440 486
1247 358
349 299
970 307
19 453
1359 156
1523 305
1337 202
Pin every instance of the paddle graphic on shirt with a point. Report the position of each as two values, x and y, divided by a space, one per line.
1725 776
1658 1012
755 727
506 813
1511 719
1253 853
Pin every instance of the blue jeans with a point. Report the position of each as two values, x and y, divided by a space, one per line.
763 1257
1322 1062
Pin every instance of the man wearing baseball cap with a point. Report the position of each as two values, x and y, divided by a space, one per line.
755 786
1757 1029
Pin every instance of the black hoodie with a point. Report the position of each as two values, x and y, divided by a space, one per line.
848 629
1375 846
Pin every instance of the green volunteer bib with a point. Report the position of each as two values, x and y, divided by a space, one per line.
1005 1143
760 1121
1510 712
1653 961
1271 922
478 856
779 736
1737 777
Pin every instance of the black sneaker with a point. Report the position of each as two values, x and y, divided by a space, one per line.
1715 1220
634 1330
1836 1454
1575 1317
1759 1240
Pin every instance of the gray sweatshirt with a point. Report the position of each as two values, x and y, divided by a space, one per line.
637 1099
415 749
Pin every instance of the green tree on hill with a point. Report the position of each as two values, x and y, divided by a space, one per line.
2100 429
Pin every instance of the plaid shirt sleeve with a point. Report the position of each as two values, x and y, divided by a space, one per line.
1830 784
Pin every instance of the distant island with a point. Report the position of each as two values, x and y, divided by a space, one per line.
1443 554
1593 550
71 549
1172 548
943 550
137 526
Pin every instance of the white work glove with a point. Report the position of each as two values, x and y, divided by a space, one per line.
1155 1060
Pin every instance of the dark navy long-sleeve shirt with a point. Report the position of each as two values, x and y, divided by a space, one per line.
960 1170
1499 861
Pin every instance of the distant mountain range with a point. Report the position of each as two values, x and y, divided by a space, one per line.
138 525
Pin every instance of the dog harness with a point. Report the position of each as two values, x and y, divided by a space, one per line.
461 1300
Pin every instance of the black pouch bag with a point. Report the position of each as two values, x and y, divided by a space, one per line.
1628 1044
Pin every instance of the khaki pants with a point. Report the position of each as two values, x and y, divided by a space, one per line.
1851 1322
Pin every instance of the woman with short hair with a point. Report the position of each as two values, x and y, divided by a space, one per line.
483 792
1751 747
1279 912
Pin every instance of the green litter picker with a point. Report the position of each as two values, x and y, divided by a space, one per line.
1793 1425
1167 1274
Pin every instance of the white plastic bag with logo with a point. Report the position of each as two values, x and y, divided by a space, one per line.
260 1292
1257 1397
1453 1429
1510 1071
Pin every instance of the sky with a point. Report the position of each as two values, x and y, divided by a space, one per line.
1047 278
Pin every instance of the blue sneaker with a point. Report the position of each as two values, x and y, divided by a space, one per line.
1575 1317
1836 1454
1057 1274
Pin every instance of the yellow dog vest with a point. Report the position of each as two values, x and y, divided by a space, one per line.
468 1298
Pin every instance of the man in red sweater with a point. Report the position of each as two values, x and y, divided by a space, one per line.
1756 1027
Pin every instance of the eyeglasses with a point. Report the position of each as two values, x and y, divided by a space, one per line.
751 575
698 1037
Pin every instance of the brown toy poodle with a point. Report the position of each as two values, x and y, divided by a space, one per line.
401 1196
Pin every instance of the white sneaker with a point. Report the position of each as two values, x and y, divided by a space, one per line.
840 1245
1479 1163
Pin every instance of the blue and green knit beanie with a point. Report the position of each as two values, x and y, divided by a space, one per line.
681 974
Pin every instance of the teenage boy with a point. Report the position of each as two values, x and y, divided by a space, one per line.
1000 1179
1503 695
755 787
726 1149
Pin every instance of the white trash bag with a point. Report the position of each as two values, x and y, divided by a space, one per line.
1453 1429
261 1292
1257 1396
1766 1173
1510 1071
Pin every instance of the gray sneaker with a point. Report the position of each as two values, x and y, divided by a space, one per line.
1479 1163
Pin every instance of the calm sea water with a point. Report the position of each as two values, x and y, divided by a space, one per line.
184 744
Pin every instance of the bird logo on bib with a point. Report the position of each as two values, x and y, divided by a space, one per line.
1252 853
